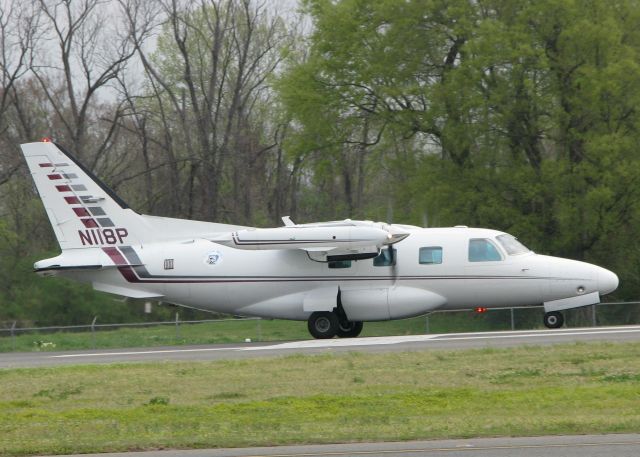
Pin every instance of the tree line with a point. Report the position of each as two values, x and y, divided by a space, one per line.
519 116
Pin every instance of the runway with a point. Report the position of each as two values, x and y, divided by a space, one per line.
542 446
448 341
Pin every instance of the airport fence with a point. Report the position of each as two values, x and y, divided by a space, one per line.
14 337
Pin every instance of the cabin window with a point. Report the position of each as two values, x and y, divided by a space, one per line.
483 250
340 264
430 255
512 245
386 258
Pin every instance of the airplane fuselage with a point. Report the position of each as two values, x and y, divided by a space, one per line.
274 283
334 274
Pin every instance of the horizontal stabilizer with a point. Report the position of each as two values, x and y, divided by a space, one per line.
125 291
78 260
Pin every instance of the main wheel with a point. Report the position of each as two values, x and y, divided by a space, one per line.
323 324
553 319
349 329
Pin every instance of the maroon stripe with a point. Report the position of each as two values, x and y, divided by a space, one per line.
64 188
72 200
81 212
46 165
115 255
56 176
123 266
128 274
89 223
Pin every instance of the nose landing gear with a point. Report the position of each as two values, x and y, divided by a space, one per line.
553 319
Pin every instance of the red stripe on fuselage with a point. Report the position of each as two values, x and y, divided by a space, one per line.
128 274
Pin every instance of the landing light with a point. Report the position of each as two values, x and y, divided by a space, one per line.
480 309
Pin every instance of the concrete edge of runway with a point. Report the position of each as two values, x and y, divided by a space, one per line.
566 445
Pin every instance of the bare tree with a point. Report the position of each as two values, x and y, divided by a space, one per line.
207 77
19 32
83 57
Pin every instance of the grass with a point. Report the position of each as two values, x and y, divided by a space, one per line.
230 331
566 389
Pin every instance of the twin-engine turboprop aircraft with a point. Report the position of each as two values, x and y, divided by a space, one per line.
335 275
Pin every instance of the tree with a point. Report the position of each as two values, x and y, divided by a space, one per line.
207 80
517 116
87 56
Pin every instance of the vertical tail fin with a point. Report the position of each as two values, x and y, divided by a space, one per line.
82 210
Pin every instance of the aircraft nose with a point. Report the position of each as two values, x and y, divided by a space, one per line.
607 281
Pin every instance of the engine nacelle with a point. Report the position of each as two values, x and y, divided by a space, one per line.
379 304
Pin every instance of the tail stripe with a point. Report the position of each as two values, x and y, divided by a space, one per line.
116 256
105 222
94 178
89 223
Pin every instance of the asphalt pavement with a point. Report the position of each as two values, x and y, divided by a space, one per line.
541 446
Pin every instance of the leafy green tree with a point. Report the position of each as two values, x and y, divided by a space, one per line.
514 115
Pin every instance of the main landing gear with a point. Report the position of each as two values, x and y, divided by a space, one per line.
327 324
553 319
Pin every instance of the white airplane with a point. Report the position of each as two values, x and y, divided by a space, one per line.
335 275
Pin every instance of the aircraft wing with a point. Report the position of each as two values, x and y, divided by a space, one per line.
337 240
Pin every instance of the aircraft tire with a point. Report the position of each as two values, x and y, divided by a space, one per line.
553 319
323 324
349 329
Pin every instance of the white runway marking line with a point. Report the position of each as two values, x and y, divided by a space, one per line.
372 341
448 449
162 351
368 341
379 341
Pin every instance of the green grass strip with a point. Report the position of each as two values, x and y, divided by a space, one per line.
568 389
237 331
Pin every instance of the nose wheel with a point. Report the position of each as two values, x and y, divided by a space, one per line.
553 319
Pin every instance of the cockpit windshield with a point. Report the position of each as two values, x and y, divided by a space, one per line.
512 245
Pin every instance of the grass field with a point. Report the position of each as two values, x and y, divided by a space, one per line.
567 389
